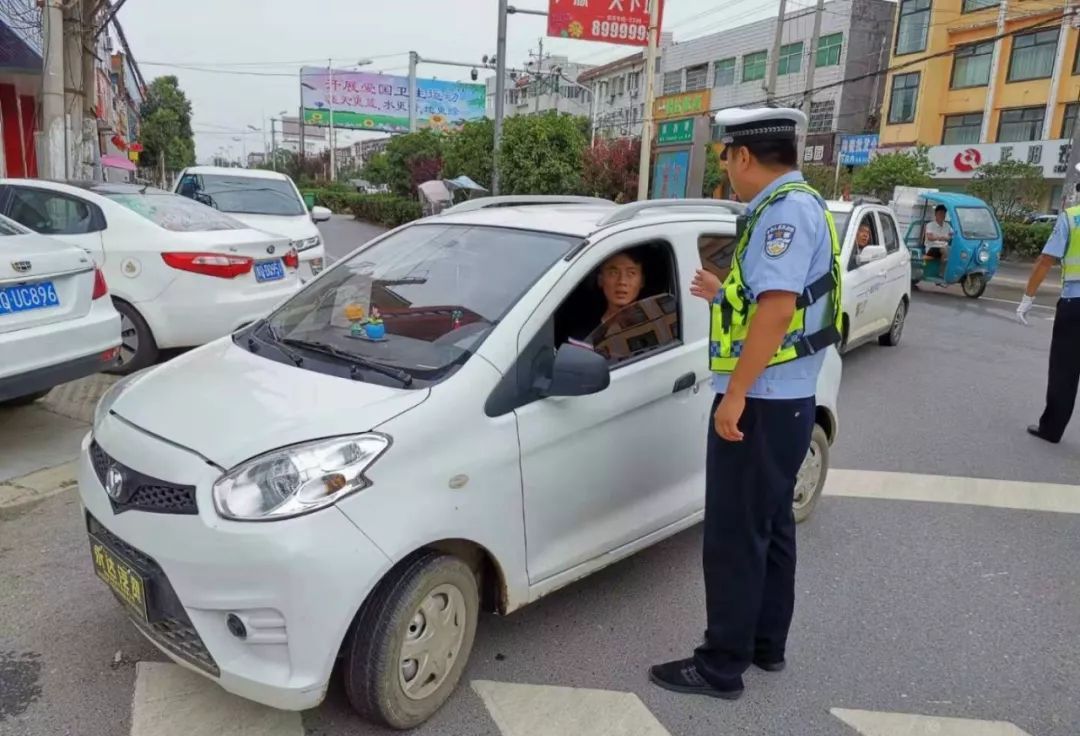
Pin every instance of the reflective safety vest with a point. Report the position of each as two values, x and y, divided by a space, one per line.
1070 264
735 306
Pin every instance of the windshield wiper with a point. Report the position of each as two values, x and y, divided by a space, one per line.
356 362
298 360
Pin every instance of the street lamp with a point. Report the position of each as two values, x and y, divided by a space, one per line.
273 138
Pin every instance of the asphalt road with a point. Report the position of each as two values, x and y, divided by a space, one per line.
939 609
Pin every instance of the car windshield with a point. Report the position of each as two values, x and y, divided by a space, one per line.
420 300
246 195
977 223
176 213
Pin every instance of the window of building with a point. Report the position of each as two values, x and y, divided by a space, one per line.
1033 55
972 5
790 59
1068 122
696 76
753 66
673 82
828 49
971 65
633 81
1021 124
912 29
724 73
905 92
620 85
821 116
962 128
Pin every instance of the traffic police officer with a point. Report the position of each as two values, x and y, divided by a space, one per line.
772 320
1064 374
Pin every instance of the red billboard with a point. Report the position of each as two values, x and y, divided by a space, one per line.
624 22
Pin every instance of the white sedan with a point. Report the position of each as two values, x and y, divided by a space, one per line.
442 422
56 322
181 274
265 200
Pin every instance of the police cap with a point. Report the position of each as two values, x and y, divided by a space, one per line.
740 125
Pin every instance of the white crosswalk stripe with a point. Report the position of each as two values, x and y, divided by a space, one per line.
874 723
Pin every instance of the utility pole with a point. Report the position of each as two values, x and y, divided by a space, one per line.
650 97
995 61
500 93
808 95
333 145
414 59
54 134
273 145
774 60
1072 177
539 89
88 121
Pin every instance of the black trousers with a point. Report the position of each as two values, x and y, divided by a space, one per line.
1064 374
749 550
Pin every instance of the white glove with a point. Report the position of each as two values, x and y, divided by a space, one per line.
1024 308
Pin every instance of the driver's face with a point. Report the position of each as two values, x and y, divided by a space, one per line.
862 238
939 216
620 280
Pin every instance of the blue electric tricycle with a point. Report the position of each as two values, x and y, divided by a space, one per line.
974 249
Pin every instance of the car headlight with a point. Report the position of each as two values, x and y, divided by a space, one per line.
105 403
983 255
297 479
307 243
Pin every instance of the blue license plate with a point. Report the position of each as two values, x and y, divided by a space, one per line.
26 297
269 271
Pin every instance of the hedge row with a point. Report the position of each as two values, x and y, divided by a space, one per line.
387 210
1023 240
339 201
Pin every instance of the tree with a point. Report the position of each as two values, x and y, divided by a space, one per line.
377 169
823 179
542 154
888 171
470 152
610 169
412 159
715 175
166 125
1010 187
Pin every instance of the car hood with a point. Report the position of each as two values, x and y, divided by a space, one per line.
230 405
292 227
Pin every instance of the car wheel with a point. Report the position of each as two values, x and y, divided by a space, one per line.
974 284
411 641
25 400
896 329
137 346
812 474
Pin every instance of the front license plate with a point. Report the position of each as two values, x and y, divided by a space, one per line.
269 271
25 297
129 586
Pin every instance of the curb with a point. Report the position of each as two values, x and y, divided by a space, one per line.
18 495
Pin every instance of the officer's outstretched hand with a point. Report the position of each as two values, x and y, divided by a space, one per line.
1024 308
706 285
728 414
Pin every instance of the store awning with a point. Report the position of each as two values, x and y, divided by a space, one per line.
112 161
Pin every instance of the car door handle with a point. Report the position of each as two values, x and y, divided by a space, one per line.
688 380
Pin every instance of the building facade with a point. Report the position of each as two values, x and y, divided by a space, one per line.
734 64
983 82
619 87
550 86
20 85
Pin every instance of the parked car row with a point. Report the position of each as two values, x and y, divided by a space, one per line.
179 271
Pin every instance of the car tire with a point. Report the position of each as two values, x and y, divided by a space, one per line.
25 400
138 349
896 328
812 475
383 683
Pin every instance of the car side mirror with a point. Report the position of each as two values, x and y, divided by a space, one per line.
320 214
871 253
577 371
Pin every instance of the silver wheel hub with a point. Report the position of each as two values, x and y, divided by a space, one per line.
432 644
806 482
898 322
129 340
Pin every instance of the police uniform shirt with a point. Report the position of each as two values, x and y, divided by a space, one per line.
1056 245
789 249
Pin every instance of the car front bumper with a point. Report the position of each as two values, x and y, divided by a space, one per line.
295 584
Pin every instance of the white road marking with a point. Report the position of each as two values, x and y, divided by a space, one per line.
1010 301
1004 494
873 723
543 710
171 701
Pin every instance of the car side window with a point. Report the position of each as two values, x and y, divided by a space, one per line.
627 308
52 213
188 186
716 252
866 233
888 232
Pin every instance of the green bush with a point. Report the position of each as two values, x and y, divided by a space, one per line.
388 210
1025 241
338 199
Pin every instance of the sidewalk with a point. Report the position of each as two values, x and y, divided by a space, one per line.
40 442
1016 274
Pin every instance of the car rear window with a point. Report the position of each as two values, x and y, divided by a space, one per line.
176 213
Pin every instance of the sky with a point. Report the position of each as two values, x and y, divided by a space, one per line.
269 40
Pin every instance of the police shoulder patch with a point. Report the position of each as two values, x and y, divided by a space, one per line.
778 239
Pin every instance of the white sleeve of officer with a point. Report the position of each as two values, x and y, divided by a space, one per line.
782 245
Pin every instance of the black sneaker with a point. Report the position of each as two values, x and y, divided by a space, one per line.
682 676
777 665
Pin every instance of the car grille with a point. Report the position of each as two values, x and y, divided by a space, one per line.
143 493
171 627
